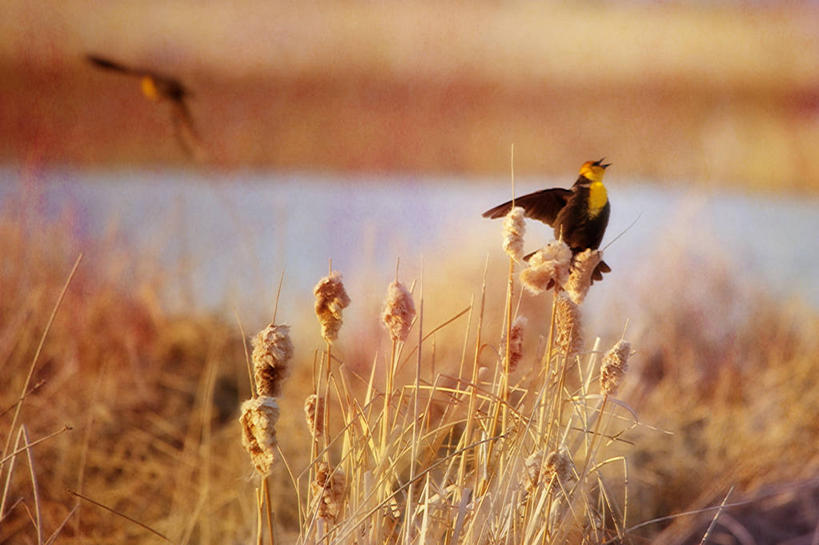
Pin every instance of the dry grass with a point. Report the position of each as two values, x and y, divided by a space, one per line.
720 393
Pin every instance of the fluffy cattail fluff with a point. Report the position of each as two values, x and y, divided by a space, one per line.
614 366
515 343
331 299
329 488
399 311
258 420
533 465
556 469
314 414
548 266
513 230
568 334
272 350
580 277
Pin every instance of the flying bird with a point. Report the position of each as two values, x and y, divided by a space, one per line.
158 87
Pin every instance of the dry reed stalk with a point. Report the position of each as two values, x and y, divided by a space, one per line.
514 228
329 489
466 437
272 351
258 420
548 266
397 316
580 277
331 300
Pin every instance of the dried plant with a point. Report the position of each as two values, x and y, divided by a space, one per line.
547 267
580 277
514 228
314 414
329 488
258 420
568 333
331 299
272 351
399 311
556 470
614 366
515 342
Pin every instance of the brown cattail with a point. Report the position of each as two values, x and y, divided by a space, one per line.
331 299
547 267
399 311
314 414
568 334
533 465
258 420
515 343
513 230
329 489
272 350
580 277
555 469
614 366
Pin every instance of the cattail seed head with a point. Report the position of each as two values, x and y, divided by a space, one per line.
555 469
399 311
614 366
533 465
568 332
272 350
331 299
515 342
514 228
329 487
559 468
314 414
258 420
547 267
580 277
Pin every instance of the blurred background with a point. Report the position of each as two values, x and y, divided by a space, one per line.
365 132
357 114
717 93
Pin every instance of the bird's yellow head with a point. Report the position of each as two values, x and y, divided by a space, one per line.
149 88
594 170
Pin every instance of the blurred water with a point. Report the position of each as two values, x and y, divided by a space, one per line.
238 231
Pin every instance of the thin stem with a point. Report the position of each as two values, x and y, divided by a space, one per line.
34 359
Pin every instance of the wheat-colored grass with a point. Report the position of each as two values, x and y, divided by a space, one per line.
155 451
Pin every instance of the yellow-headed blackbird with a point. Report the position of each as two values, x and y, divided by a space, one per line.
156 87
578 215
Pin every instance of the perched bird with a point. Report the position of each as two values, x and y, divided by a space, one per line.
157 87
578 215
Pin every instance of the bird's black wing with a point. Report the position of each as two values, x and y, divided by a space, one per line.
541 205
108 64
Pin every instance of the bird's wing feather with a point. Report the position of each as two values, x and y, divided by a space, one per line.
186 132
541 205
108 64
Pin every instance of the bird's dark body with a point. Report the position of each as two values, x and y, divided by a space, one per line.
575 225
